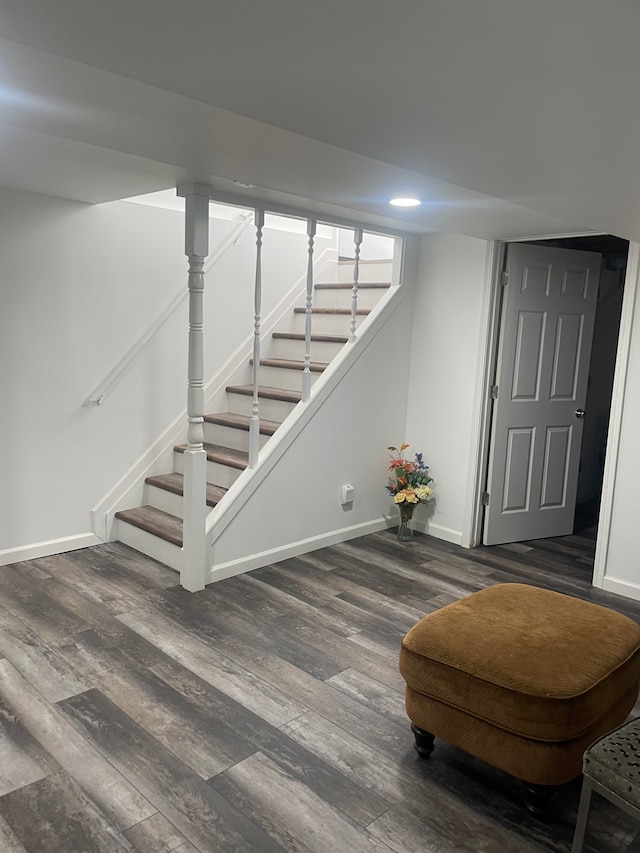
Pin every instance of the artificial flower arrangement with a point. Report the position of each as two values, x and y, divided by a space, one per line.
409 482
409 485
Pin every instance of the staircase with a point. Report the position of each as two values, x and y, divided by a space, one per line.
155 528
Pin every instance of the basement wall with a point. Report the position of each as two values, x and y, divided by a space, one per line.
446 338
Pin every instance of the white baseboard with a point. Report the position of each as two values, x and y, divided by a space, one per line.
304 546
438 531
620 587
47 549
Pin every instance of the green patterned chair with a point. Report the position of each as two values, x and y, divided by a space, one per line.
611 766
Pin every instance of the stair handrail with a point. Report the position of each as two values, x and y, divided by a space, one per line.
97 397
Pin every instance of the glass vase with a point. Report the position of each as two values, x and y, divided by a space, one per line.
405 531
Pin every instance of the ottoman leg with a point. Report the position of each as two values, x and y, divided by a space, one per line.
537 798
424 741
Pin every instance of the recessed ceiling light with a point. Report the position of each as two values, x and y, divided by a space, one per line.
244 184
405 202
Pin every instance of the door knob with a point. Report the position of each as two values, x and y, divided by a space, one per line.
580 413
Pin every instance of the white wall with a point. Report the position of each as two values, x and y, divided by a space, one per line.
80 284
622 566
447 335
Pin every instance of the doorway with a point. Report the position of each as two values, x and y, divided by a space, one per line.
614 252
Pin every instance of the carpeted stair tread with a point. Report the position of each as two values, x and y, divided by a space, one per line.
175 483
348 285
346 311
292 364
267 392
154 521
236 421
298 336
222 455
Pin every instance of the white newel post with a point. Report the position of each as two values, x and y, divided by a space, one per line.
306 374
254 423
194 564
357 239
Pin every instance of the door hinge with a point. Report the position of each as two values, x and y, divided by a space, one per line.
505 278
494 392
485 499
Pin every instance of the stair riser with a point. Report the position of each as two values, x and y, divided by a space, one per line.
380 271
325 324
236 439
281 377
367 298
320 351
221 475
163 499
271 410
147 543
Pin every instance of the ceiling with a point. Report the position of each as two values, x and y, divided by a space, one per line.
510 120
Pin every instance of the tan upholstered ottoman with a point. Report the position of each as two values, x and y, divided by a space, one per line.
522 678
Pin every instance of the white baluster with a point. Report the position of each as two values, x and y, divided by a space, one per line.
194 568
357 239
306 374
254 424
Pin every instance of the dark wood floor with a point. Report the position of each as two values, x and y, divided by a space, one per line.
263 715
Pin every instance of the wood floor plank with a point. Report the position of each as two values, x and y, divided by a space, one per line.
372 694
405 833
31 569
39 662
31 602
9 842
134 573
21 762
294 685
294 815
97 589
156 834
243 685
353 800
289 583
111 792
443 808
307 574
189 731
263 612
54 814
307 647
204 817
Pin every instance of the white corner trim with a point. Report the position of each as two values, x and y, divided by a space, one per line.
621 587
481 407
615 419
47 549
304 546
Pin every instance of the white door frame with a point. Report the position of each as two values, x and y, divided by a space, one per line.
481 416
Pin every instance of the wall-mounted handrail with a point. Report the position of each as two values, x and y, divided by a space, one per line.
123 366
